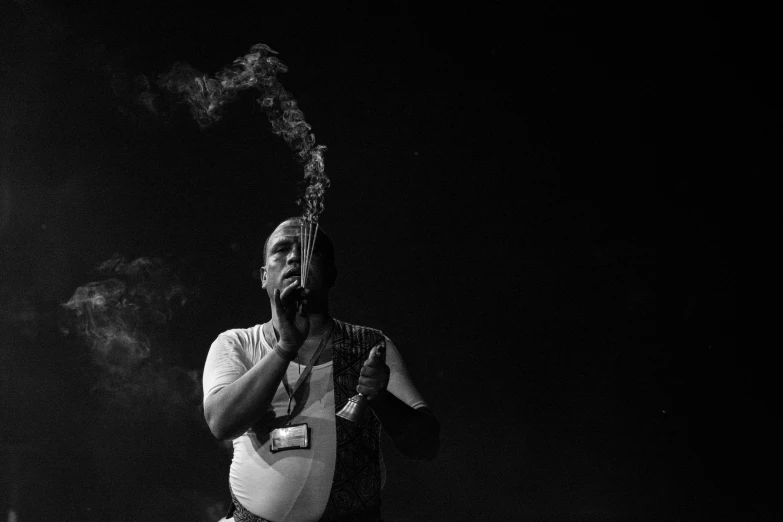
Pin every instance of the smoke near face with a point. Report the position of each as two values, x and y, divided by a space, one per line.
257 70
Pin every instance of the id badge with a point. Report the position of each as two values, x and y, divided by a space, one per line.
290 437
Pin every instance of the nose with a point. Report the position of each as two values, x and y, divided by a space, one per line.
294 256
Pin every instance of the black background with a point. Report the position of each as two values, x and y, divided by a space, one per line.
543 207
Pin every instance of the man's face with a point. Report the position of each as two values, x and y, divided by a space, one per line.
284 258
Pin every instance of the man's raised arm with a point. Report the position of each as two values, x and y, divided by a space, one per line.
414 430
233 409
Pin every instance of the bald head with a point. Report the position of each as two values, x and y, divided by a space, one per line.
283 259
322 241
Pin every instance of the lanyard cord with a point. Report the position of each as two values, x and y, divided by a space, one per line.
303 376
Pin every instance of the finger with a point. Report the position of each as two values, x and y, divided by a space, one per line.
365 390
285 295
372 372
376 383
278 301
303 295
303 308
369 382
375 359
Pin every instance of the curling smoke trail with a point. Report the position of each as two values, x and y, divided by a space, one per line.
258 69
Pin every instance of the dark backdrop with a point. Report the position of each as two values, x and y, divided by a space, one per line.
540 206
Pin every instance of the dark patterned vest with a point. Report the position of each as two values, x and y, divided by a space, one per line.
358 472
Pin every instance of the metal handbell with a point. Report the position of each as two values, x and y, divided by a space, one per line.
355 409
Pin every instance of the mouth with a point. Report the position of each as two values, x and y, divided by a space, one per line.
293 274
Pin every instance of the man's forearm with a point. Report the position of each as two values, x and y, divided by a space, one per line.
415 432
233 409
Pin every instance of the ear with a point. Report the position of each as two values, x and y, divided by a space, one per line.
263 277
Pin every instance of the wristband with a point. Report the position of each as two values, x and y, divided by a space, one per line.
285 354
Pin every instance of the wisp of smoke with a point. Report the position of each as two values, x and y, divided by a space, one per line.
119 315
123 319
257 70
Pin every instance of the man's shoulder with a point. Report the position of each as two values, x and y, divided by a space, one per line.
354 326
353 330
243 336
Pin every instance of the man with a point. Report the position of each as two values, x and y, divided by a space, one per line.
276 387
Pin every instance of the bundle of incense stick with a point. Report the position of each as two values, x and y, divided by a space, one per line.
308 232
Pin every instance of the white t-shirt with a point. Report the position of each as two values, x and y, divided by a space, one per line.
293 484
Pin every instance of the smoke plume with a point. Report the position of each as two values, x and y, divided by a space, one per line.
124 321
257 70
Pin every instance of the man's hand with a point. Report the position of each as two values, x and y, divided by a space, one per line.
374 377
294 327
